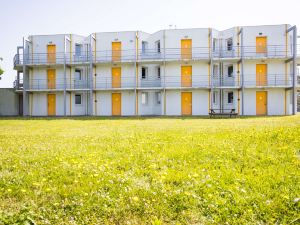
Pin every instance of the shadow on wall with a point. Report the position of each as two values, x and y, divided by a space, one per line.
9 102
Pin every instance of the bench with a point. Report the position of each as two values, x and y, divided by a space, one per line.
222 112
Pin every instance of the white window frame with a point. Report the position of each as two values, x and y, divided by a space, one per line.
80 99
158 74
215 97
229 92
157 47
214 44
158 98
215 70
144 98
78 70
227 46
146 73
76 52
228 66
144 46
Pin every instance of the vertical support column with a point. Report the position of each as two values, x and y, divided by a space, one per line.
95 102
65 78
164 63
136 52
210 70
242 70
294 70
90 108
25 81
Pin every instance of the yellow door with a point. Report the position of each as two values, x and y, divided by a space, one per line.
261 103
186 103
116 104
51 53
116 77
116 51
186 76
51 78
261 74
261 44
186 49
51 104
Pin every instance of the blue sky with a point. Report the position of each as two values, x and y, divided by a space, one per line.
20 18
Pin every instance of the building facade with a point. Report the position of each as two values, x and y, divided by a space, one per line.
250 70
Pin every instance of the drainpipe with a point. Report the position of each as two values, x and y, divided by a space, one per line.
65 79
25 80
295 71
90 111
242 69
164 63
135 73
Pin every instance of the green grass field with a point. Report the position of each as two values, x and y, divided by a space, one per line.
150 171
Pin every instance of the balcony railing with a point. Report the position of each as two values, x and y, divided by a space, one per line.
169 81
169 54
271 80
18 84
55 84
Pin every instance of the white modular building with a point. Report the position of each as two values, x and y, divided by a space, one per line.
248 70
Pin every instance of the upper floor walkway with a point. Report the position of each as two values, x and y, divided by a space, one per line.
152 55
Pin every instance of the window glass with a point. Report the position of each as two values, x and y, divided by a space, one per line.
77 99
158 98
144 98
230 70
144 72
144 46
77 74
214 44
157 46
229 44
230 97
158 72
215 97
77 49
215 70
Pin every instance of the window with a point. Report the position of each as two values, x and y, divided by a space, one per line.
157 46
230 71
77 99
77 49
77 74
214 44
144 72
229 44
230 97
215 95
144 98
158 98
144 46
215 70
158 72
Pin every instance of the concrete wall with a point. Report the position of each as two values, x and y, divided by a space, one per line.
275 101
9 102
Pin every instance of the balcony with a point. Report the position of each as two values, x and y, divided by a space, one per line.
225 82
109 83
109 56
18 84
270 51
169 82
55 85
58 58
271 80
148 55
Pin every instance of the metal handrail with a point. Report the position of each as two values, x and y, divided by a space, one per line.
152 54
